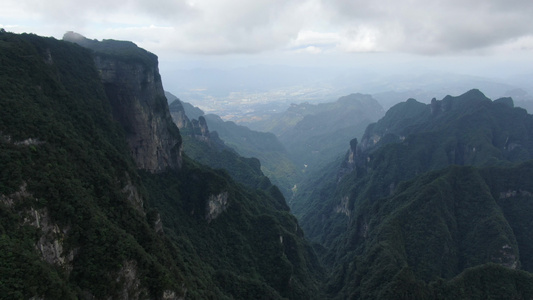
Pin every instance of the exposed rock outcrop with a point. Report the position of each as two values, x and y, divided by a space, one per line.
216 204
200 129
133 196
50 243
196 129
506 257
133 85
350 160
343 207
137 98
128 278
177 111
50 240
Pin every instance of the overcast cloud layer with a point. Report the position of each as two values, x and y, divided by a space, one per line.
429 27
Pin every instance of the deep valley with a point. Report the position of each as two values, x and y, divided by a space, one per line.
112 188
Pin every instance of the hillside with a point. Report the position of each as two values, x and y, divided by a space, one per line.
102 196
386 237
207 148
316 134
264 146
273 158
97 200
452 234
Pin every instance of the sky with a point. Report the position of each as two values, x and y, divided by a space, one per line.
482 37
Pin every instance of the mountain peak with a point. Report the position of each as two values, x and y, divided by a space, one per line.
474 93
72 36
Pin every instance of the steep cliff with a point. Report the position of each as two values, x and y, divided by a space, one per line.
177 112
73 219
82 217
195 128
133 85
205 147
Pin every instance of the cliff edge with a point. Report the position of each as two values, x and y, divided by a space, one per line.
134 88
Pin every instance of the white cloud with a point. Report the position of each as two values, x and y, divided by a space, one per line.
244 26
360 39
310 37
433 26
310 50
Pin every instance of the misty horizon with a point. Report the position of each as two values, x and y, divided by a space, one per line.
312 50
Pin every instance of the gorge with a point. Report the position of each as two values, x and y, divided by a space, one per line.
109 192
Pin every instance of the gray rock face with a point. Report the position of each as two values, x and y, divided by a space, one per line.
177 111
216 204
128 279
139 105
51 236
200 129
132 82
197 129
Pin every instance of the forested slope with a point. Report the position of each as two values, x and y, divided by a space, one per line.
89 210
396 221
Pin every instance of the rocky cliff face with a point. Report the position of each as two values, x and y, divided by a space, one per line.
137 97
135 91
196 129
79 220
177 111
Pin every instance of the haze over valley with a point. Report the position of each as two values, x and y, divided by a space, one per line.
247 94
203 149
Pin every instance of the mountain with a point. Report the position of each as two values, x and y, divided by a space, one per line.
97 200
249 143
431 203
133 85
265 146
191 111
207 148
521 98
451 234
316 134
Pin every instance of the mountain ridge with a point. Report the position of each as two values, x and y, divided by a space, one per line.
359 217
86 216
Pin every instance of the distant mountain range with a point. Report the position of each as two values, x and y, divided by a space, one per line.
111 188
395 227
245 95
247 143
314 134
308 135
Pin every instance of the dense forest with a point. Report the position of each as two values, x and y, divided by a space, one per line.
81 220
103 196
428 199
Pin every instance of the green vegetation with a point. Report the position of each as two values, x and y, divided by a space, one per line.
314 135
435 204
386 237
124 50
72 219
254 246
439 232
59 143
275 162
244 170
